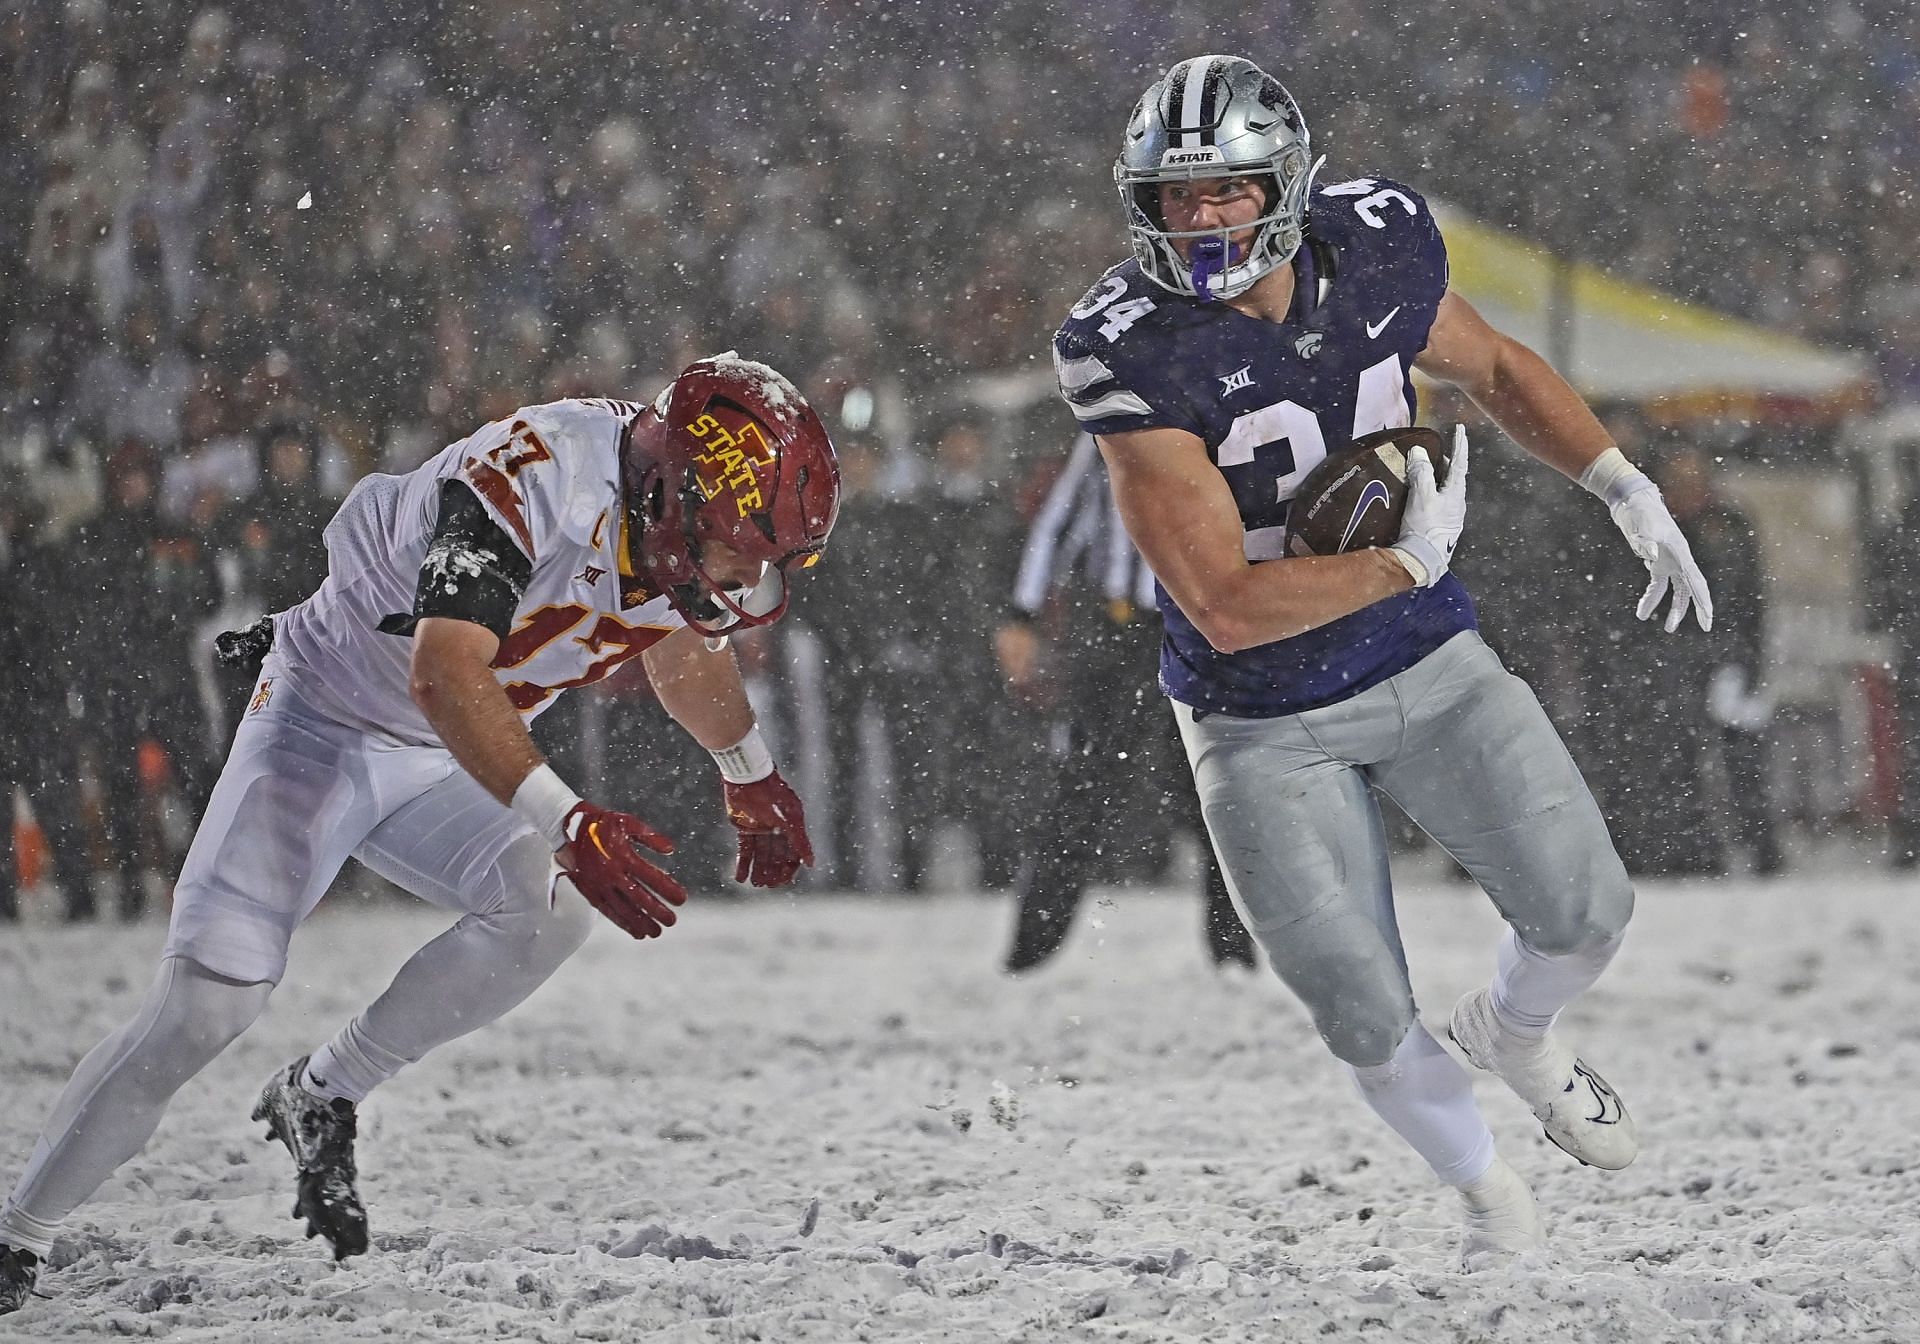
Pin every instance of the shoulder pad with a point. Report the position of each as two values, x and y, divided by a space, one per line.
526 467
1370 199
1380 225
1109 357
1118 300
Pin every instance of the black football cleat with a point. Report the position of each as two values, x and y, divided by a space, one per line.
19 1268
319 1134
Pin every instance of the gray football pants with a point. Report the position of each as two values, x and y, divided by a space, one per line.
1463 746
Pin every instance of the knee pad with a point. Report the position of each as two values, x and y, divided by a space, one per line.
1612 905
1368 1039
1347 972
1362 1011
571 920
1581 926
553 918
193 1014
224 1006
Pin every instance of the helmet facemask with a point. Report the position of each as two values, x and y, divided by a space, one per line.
731 455
1215 116
714 608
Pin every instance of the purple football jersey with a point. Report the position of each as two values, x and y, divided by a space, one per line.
1270 400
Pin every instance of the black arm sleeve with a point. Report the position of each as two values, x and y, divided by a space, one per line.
472 572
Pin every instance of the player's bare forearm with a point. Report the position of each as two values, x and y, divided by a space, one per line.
452 681
1278 599
1519 391
1180 513
700 688
1541 412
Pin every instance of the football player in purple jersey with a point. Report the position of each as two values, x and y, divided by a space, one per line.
1263 321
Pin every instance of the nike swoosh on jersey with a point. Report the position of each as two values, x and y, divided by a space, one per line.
1375 328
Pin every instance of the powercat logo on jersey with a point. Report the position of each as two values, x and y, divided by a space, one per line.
1191 158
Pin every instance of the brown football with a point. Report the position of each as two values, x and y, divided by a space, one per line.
1355 497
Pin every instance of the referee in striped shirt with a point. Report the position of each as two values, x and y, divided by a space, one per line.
1120 740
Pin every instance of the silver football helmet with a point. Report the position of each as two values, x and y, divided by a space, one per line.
1215 116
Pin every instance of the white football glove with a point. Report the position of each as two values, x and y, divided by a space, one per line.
1430 527
1641 515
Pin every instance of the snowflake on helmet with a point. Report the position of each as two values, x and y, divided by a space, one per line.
729 454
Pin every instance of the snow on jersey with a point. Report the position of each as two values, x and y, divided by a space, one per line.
550 477
1270 400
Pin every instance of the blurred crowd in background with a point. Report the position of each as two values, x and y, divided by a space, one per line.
249 254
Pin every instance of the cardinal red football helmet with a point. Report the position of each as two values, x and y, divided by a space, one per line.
729 453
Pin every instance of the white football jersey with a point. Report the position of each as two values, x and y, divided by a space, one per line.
550 477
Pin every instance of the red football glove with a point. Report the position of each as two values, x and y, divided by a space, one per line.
773 831
603 858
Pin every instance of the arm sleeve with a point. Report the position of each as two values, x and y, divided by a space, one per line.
473 571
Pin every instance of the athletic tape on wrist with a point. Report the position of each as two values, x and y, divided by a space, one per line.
1415 567
746 760
543 801
1612 478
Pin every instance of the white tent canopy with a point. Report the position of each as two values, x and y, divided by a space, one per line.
1632 343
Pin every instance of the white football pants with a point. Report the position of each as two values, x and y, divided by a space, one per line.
298 795
1464 747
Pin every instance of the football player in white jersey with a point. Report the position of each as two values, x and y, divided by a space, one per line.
390 723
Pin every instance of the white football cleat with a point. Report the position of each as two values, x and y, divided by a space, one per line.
1501 1218
1573 1103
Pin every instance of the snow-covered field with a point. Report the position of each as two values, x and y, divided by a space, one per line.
831 1119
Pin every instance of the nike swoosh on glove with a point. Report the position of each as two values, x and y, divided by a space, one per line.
773 831
603 858
1435 514
1643 519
